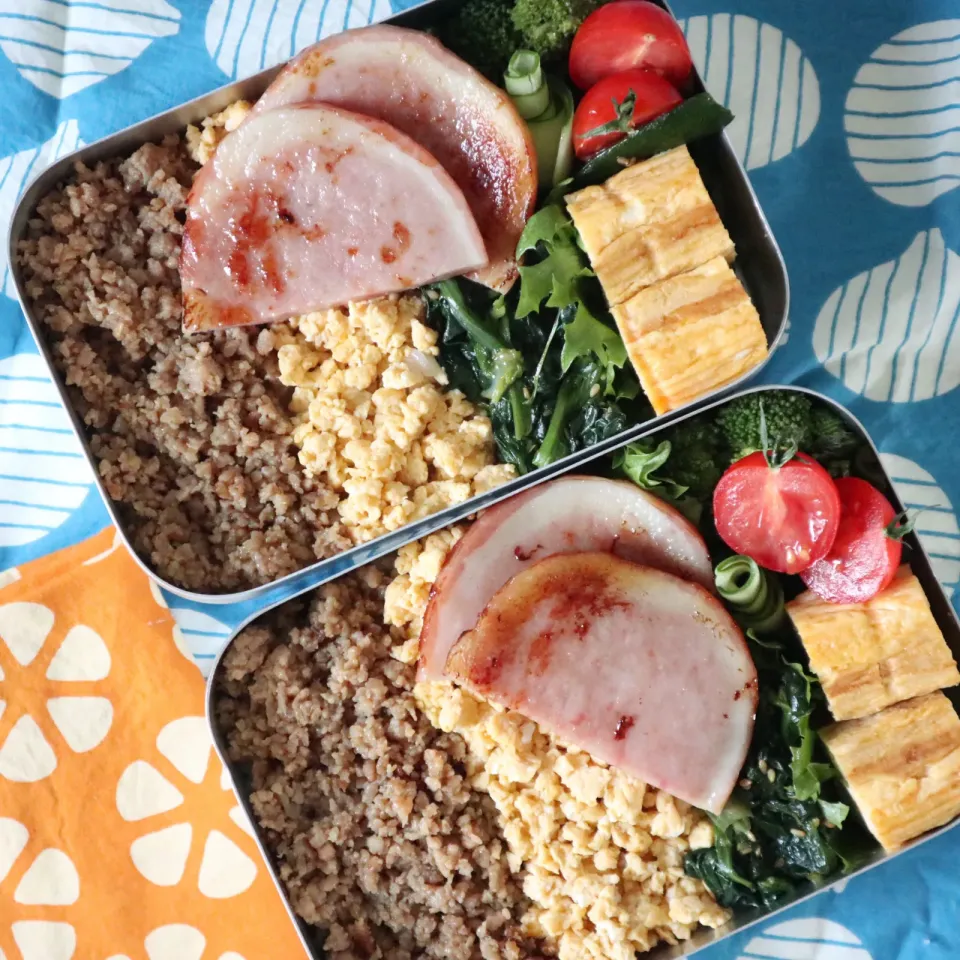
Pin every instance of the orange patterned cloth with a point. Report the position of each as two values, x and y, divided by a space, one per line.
120 838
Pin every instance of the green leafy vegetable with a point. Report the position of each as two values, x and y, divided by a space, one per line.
548 26
779 830
558 276
699 457
585 334
511 365
683 470
640 462
580 415
499 364
834 813
754 596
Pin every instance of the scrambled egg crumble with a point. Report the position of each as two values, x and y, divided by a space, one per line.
603 851
373 419
202 141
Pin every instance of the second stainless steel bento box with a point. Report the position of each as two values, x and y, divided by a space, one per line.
943 613
759 265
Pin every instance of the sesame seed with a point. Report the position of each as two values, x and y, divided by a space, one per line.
764 767
746 784
771 775
595 389
751 836
800 834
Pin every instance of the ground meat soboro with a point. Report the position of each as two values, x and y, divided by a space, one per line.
379 837
192 435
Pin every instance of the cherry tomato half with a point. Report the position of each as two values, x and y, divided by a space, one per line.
864 557
785 518
627 34
654 96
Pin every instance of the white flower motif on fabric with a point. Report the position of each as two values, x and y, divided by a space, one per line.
200 634
45 940
763 77
937 525
18 169
50 880
24 627
82 656
143 791
902 115
240 818
13 839
26 754
45 476
83 721
176 941
161 855
62 49
891 333
245 36
810 938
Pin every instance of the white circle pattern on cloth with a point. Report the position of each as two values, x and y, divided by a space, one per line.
44 476
64 48
763 77
902 115
810 938
244 36
891 333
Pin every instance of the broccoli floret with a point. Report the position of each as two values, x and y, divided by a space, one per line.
697 457
789 418
832 442
831 438
548 26
483 34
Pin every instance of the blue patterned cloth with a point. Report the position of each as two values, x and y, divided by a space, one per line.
848 119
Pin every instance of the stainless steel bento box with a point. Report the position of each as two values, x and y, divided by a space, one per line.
920 564
759 265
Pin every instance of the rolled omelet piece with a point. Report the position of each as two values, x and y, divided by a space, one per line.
902 767
653 220
871 655
691 334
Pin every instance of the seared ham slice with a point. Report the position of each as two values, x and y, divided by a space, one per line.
310 207
639 668
411 81
563 516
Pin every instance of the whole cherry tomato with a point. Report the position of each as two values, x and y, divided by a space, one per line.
617 104
628 34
